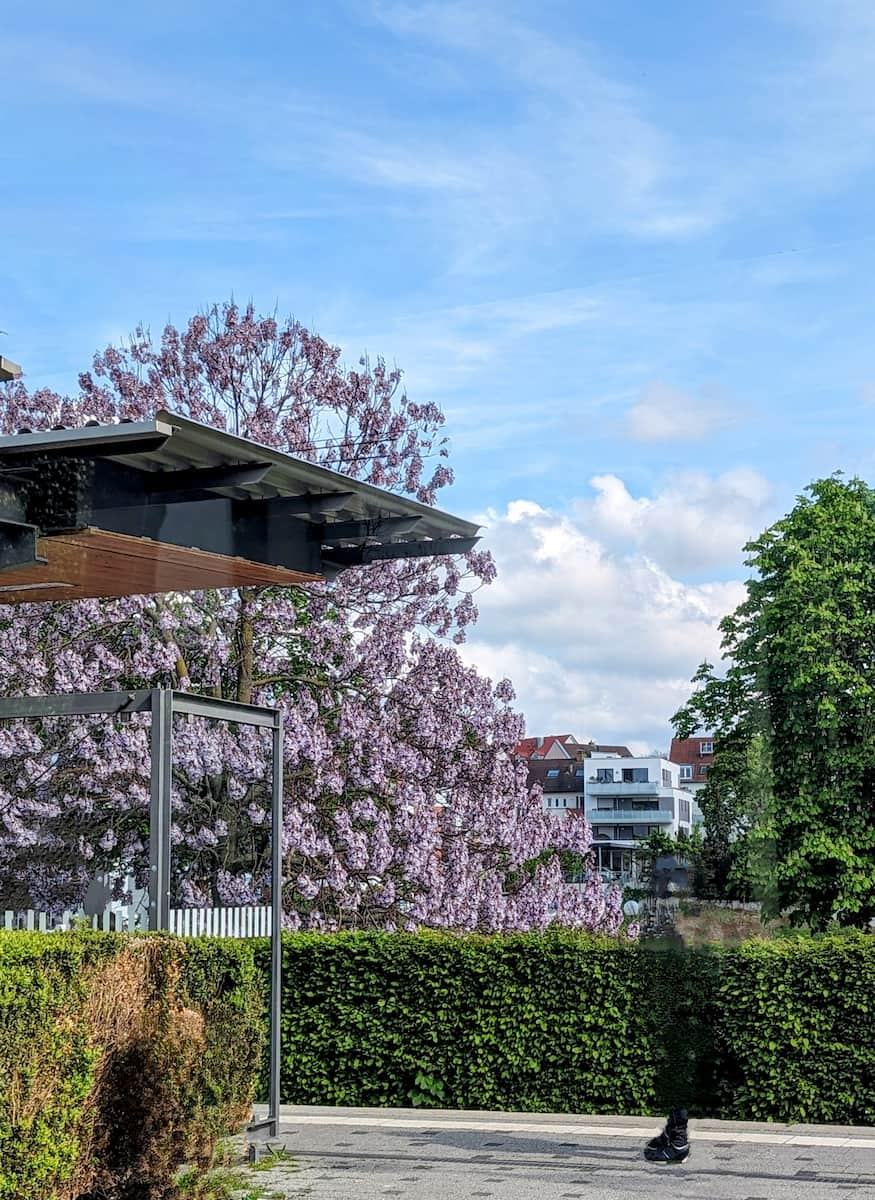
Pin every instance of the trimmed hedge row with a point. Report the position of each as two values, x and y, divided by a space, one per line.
781 1030
120 1059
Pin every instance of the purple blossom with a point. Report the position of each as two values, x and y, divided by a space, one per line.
402 804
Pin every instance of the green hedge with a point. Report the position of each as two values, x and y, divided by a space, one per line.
120 1059
798 1021
780 1030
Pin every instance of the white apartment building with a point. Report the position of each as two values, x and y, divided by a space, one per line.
627 799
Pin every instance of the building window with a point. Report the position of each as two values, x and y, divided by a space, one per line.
666 778
580 772
684 810
605 775
706 747
625 833
703 770
686 772
635 775
553 773
642 805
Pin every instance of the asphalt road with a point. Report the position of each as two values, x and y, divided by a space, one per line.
356 1154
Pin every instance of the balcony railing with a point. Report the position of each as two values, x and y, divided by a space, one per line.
607 816
618 788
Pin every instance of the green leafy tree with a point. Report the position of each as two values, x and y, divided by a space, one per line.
790 800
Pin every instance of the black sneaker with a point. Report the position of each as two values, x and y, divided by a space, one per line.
673 1144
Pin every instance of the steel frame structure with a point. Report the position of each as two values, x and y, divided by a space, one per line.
163 704
196 500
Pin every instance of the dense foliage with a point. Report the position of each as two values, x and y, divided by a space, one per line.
564 1022
120 1060
123 1057
403 805
798 1026
790 799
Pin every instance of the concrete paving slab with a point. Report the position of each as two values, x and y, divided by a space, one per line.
343 1154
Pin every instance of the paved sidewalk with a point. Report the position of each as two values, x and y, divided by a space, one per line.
357 1154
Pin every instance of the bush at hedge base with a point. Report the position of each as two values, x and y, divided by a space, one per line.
561 1022
120 1059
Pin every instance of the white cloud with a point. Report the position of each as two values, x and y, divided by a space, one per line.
583 148
696 521
581 133
574 147
664 414
597 643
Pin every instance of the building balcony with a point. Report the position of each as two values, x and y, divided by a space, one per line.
609 816
618 788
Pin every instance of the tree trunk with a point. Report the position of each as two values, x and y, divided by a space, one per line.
244 642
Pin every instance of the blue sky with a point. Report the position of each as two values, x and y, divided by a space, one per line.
628 247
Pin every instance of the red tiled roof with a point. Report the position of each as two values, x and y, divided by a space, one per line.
529 746
685 751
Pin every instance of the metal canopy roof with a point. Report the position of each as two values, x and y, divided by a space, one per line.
169 504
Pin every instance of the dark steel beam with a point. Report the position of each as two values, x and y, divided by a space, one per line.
276 925
349 531
356 556
74 704
224 710
307 505
199 479
160 817
214 526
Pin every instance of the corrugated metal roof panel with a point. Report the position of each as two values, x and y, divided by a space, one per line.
190 444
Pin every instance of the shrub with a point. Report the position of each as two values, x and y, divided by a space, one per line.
530 1022
47 1060
780 1030
798 1022
121 1058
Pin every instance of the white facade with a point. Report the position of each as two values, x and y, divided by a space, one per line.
627 799
556 805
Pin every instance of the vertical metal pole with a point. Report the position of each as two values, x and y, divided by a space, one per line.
159 809
276 926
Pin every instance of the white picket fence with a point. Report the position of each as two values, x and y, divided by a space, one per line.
242 921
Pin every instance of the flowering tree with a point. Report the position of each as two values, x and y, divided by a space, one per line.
403 805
